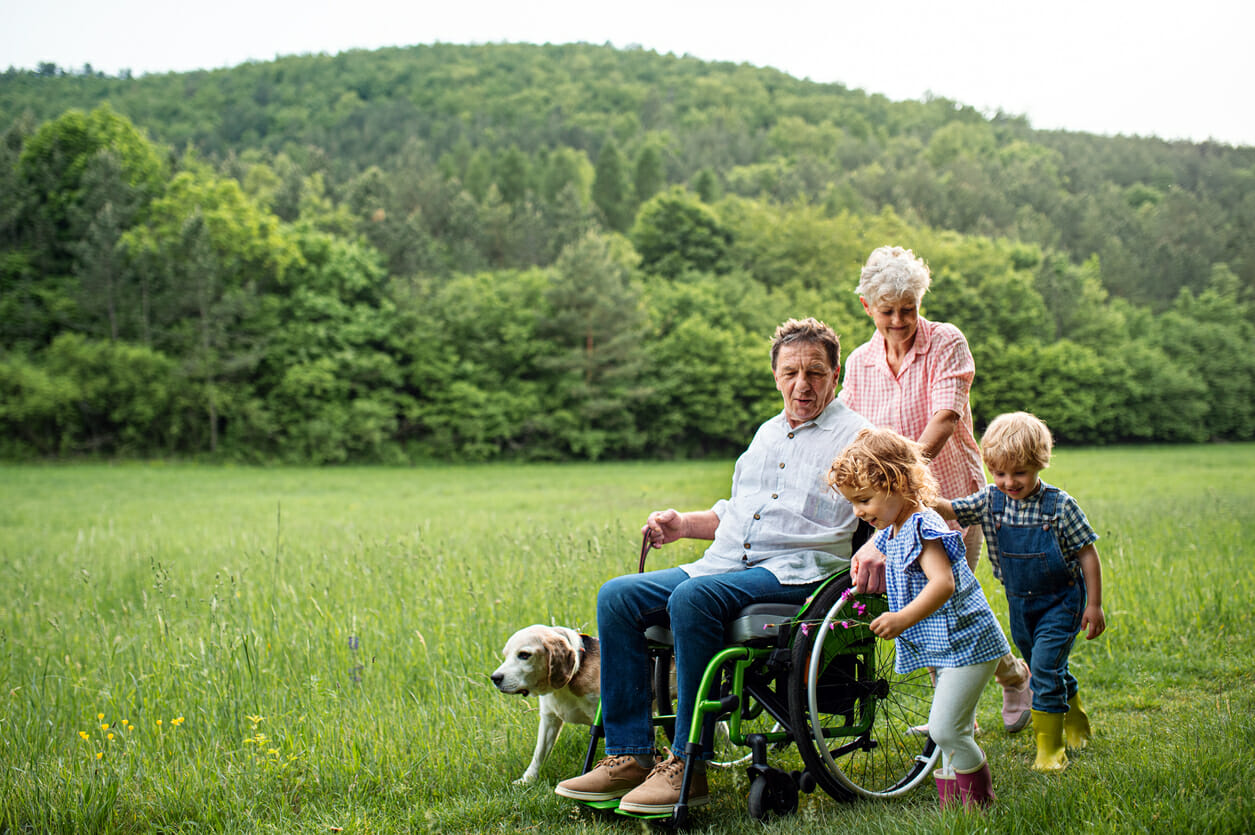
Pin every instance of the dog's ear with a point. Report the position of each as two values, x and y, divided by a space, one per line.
561 660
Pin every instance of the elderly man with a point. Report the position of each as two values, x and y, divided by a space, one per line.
775 539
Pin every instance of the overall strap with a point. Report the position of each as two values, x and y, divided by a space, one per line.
997 501
1049 501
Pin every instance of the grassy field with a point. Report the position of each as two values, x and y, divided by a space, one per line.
237 650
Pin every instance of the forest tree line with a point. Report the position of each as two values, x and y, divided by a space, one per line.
553 252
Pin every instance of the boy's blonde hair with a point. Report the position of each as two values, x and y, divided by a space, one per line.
886 462
1017 438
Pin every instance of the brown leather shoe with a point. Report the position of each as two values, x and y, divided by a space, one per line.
661 790
612 777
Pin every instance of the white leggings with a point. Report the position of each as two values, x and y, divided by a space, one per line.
953 713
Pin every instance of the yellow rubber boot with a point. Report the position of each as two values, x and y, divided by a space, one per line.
1076 724
1048 728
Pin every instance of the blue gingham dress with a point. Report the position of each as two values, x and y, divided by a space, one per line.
964 630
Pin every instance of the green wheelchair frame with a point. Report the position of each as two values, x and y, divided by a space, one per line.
813 676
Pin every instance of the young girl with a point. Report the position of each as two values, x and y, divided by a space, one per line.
937 611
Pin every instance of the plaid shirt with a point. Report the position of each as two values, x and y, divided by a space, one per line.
1071 527
935 374
964 630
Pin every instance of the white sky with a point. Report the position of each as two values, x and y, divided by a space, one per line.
1182 70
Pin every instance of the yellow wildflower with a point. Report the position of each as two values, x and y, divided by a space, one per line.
100 755
100 716
83 734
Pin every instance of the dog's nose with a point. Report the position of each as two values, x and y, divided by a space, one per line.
496 678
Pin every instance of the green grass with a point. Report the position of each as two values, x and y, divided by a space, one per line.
300 649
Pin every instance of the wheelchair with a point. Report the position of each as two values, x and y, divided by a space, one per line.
814 677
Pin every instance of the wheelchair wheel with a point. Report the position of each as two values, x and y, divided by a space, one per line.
772 792
853 716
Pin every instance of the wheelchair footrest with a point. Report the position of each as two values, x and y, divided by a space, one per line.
611 805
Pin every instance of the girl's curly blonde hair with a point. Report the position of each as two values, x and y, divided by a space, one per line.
884 461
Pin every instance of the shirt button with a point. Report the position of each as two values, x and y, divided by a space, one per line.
747 546
790 434
782 465
775 495
757 516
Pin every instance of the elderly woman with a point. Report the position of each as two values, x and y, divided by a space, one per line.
914 376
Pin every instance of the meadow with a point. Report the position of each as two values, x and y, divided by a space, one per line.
189 648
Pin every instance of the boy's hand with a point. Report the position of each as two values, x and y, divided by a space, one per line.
1094 622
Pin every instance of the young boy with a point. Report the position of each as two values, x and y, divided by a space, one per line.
1041 547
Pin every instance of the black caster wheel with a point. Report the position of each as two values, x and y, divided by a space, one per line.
772 791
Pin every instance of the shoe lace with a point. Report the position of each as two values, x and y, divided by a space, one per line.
670 767
612 760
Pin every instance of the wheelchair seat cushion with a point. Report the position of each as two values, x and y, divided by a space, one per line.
756 622
760 621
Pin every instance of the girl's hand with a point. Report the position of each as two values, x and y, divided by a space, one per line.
889 625
1093 621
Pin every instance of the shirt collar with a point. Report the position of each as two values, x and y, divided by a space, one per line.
923 341
827 419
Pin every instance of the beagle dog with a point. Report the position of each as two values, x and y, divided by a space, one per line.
560 666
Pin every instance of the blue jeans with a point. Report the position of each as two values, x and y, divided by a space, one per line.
1044 627
697 609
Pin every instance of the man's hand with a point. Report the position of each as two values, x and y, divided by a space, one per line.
867 570
664 526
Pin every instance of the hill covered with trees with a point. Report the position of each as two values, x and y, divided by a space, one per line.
463 252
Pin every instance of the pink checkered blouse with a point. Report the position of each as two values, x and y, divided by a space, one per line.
935 374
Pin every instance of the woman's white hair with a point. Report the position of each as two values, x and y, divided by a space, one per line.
892 272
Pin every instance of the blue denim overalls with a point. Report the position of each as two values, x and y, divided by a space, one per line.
1045 597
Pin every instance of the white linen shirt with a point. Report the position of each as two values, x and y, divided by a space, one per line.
781 514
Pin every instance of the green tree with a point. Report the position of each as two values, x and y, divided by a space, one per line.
107 209
650 174
612 192
217 253
675 232
513 175
329 383
597 324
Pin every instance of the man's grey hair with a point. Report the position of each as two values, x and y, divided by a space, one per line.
809 330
